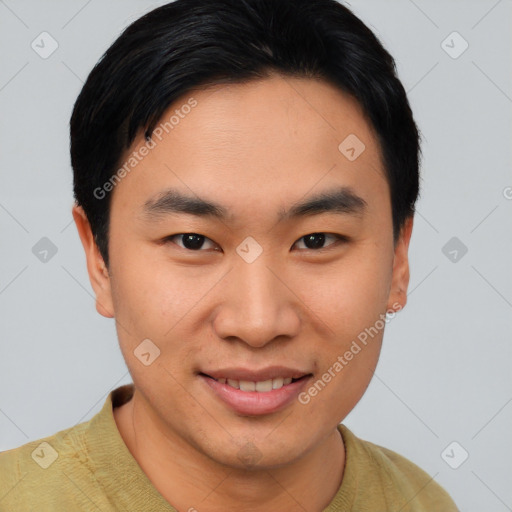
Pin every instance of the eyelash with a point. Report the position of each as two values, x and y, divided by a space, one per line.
338 239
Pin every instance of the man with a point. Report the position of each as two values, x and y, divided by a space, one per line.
245 175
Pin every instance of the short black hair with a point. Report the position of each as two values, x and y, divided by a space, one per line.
187 44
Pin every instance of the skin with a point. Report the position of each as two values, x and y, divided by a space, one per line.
254 148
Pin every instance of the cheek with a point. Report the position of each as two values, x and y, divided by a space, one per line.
350 300
155 298
345 360
155 305
349 295
341 383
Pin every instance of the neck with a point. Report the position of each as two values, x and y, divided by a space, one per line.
190 480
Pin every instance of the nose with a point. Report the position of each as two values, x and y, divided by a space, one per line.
258 306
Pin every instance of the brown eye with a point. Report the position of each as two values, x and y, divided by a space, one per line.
316 241
190 241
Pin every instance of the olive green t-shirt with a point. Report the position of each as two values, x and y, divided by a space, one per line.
89 468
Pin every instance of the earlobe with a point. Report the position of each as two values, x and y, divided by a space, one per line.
400 278
98 273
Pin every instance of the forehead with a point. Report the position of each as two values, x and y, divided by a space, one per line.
256 144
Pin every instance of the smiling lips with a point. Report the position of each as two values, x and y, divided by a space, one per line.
251 392
261 386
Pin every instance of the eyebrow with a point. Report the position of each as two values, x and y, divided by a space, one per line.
342 200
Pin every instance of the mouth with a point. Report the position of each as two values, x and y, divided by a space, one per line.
261 386
256 393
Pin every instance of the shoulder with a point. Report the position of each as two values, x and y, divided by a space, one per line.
401 481
37 472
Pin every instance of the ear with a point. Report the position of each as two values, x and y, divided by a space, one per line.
98 273
400 279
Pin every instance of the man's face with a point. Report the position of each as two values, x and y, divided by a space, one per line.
267 284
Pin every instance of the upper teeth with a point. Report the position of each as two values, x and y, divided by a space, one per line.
262 386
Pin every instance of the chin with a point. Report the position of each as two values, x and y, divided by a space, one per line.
244 454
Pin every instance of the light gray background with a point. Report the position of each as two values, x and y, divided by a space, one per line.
444 373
